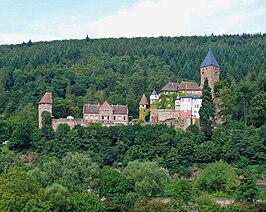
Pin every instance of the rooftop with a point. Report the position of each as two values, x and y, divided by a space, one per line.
210 60
47 98
154 92
170 86
143 100
188 86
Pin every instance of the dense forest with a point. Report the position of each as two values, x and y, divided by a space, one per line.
138 168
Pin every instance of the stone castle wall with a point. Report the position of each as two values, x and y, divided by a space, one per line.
70 122
164 114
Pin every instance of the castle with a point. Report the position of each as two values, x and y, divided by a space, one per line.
105 114
178 105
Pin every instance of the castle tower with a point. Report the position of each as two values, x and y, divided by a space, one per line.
143 106
45 105
154 98
210 69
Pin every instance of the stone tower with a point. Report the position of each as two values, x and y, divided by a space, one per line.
143 106
45 104
210 69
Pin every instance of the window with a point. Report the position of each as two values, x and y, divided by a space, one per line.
86 117
182 99
91 117
124 118
195 111
188 100
96 117
114 117
119 117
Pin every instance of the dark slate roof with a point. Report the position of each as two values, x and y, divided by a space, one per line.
170 86
189 86
210 60
91 109
94 109
154 92
143 100
120 109
47 98
193 97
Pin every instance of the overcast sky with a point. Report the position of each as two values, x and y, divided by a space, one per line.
22 20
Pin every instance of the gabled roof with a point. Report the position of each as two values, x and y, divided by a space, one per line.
154 92
120 109
91 109
170 86
210 60
189 86
94 109
47 98
143 100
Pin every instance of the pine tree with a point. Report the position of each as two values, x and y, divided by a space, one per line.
207 110
87 38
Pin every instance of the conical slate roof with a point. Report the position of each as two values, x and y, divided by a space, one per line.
143 100
154 92
210 60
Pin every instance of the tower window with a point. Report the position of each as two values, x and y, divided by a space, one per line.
202 72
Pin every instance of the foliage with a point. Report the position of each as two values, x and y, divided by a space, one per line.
258 110
59 197
18 189
207 110
87 202
217 176
121 70
247 189
21 137
114 187
167 101
148 177
180 190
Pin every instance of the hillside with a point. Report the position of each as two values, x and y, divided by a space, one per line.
138 168
120 70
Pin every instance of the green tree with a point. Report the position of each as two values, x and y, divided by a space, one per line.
114 187
217 176
4 132
180 190
85 202
21 137
246 90
60 198
226 101
79 171
17 189
257 112
247 190
148 177
207 110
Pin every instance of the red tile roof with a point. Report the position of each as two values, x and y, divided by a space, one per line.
47 98
143 100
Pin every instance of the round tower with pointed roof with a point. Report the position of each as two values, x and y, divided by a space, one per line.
154 98
143 106
210 69
46 104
